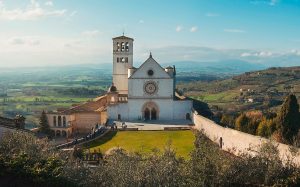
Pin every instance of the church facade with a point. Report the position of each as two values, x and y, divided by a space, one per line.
144 93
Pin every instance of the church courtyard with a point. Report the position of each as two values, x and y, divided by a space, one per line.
182 141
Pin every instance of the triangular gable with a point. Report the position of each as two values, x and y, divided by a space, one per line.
150 64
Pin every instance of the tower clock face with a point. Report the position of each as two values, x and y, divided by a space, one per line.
150 87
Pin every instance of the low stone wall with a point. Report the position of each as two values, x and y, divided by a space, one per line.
4 129
238 142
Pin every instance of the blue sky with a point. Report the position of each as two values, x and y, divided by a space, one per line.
60 32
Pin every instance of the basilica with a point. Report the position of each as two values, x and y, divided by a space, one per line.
143 93
146 94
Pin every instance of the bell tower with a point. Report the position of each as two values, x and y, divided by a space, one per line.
122 61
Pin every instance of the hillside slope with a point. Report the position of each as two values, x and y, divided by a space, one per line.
263 90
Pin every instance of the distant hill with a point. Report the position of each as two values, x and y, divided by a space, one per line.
226 67
264 89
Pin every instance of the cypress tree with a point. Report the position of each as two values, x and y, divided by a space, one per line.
288 120
43 123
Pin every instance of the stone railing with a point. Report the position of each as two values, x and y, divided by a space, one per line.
90 137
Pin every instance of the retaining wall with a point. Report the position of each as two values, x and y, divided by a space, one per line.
238 142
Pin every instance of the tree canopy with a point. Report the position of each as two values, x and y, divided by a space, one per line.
288 119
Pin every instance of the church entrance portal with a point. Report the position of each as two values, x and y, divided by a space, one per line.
150 111
147 114
153 114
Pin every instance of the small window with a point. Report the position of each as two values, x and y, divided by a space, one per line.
126 59
123 59
118 59
119 116
150 72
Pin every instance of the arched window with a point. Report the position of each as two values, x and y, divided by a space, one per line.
122 46
64 121
54 121
59 121
118 46
127 46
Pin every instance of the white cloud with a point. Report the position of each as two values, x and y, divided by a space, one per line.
49 3
33 11
28 40
193 29
273 2
209 14
295 52
234 30
45 50
257 54
179 28
73 13
141 21
265 2
91 33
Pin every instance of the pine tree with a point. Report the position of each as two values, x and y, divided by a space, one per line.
288 120
43 123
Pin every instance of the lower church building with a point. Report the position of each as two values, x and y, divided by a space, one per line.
143 94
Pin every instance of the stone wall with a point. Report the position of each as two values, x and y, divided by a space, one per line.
4 129
235 141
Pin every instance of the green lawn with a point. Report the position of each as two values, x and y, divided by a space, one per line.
145 141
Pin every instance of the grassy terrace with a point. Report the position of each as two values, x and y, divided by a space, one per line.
146 141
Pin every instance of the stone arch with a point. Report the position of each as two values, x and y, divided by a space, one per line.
64 134
150 111
58 133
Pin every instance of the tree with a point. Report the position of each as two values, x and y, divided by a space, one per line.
241 123
227 120
262 129
288 120
44 125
